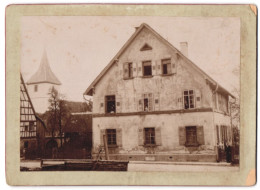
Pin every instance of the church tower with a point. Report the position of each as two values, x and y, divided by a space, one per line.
40 84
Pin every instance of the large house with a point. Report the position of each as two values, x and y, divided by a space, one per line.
153 103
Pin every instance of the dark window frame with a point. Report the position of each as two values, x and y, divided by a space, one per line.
147 102
110 102
147 69
166 70
191 136
149 136
111 137
189 99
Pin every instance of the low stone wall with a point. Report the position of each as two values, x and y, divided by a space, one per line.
165 157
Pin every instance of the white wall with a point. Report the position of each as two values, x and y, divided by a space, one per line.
40 98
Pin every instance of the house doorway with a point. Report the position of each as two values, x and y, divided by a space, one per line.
51 149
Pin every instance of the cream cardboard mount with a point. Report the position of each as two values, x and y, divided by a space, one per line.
154 106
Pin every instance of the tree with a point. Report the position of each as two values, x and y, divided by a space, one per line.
53 110
235 108
57 113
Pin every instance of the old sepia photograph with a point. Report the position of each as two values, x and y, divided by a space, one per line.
129 93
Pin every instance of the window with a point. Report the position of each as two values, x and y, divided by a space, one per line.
111 137
191 136
26 128
188 96
31 126
147 102
146 47
166 66
110 104
147 68
128 70
149 136
35 88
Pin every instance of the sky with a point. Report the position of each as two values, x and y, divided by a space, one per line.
79 47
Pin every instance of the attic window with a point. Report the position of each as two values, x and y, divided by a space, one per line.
146 47
166 66
147 68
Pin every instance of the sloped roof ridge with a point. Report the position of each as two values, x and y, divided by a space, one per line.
89 89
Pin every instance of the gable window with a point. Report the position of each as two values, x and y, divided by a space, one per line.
111 137
128 70
149 136
36 88
166 66
191 136
188 96
146 47
147 68
110 104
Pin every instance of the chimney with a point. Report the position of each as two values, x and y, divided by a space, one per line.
184 48
136 28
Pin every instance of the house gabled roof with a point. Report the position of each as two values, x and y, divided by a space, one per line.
44 73
89 90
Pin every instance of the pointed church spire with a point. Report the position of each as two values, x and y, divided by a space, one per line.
44 73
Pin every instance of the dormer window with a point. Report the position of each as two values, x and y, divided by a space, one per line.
147 68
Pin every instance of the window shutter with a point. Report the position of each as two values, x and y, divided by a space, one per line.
140 100
125 71
169 67
156 101
200 135
198 98
158 138
153 68
182 135
119 137
173 65
102 133
180 100
139 69
159 66
140 137
118 104
150 101
135 67
101 105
